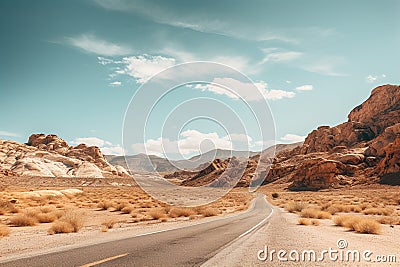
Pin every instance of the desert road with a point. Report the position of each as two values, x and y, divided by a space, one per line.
188 246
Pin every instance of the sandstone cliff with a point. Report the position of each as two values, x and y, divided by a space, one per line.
365 149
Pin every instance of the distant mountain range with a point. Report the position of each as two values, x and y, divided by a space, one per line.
140 163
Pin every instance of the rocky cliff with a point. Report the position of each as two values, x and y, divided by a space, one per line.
50 156
365 149
362 150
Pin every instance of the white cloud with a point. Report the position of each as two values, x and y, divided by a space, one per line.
306 87
113 150
145 66
189 142
106 147
9 134
92 44
116 83
288 82
371 78
247 91
90 141
293 138
281 56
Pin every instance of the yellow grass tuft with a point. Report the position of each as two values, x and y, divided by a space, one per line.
304 221
23 220
358 224
315 213
295 206
109 223
71 221
4 230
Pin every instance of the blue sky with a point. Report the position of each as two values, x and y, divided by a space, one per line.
71 67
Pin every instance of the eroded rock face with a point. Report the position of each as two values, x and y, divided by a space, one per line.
367 141
317 174
326 138
50 156
390 165
380 110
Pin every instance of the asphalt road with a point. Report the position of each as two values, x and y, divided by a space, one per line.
187 246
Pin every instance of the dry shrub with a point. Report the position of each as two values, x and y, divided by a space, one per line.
378 211
120 206
7 207
391 220
104 205
146 205
4 230
127 209
315 222
358 224
304 221
344 220
181 212
157 213
59 227
70 221
109 223
295 206
23 220
46 217
209 212
315 213
367 226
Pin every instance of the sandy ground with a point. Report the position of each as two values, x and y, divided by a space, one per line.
283 232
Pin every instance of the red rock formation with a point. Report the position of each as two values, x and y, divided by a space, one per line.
380 110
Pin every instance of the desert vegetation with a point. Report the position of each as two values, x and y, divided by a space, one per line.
362 210
107 206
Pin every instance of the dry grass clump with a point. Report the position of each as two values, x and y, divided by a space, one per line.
105 205
208 212
23 220
4 230
70 221
127 209
181 212
306 221
157 213
358 224
7 207
378 211
367 226
295 206
315 213
391 220
109 223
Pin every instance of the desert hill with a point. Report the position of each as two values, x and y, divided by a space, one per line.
50 156
139 162
365 149
217 174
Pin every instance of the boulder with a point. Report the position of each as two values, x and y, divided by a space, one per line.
353 159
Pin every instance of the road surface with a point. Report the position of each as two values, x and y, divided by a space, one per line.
187 246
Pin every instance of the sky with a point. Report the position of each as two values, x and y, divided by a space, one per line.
72 68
